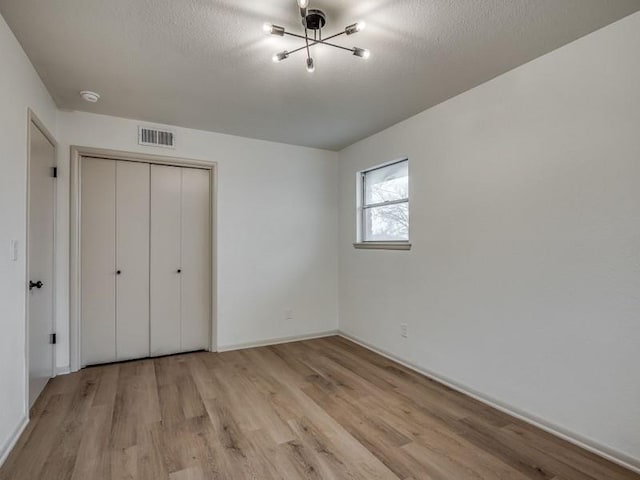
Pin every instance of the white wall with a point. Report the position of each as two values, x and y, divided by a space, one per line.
20 89
277 227
523 283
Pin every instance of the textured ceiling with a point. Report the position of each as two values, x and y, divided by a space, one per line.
206 63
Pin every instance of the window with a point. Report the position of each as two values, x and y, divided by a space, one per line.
385 204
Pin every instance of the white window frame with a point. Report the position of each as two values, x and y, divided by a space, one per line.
363 207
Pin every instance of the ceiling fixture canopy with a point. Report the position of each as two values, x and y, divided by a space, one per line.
314 20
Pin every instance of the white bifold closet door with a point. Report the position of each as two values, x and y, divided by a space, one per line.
195 260
132 260
115 260
98 257
180 259
165 259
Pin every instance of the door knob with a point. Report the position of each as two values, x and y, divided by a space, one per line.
118 272
33 284
179 270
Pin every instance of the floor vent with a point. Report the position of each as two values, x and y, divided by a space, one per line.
155 137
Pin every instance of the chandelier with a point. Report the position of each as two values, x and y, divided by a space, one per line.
314 20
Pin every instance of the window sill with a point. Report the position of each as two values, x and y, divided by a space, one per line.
383 245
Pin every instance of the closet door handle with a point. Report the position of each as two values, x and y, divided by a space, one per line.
179 270
118 272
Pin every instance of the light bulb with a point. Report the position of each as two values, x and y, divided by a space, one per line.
303 3
311 67
355 28
361 52
273 29
278 57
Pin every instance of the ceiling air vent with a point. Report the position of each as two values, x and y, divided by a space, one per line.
156 137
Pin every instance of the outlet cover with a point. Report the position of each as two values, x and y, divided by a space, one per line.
403 330
13 250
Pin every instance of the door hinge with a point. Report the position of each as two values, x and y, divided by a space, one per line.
52 339
54 172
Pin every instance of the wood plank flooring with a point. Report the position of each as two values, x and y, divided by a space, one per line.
319 409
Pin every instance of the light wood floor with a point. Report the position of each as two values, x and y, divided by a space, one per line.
321 409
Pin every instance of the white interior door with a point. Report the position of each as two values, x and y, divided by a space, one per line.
98 258
165 259
40 260
196 259
132 260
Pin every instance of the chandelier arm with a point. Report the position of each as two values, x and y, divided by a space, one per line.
295 35
319 42
291 52
308 38
324 42
334 35
316 42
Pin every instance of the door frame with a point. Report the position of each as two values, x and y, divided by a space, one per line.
75 266
32 119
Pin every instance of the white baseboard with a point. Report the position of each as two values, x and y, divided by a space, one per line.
5 450
276 341
63 370
592 446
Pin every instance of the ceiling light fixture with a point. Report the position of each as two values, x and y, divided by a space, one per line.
314 20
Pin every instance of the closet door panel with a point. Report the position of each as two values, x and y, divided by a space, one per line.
132 260
165 259
98 250
196 259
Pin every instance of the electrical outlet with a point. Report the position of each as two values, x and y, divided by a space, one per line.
288 313
403 330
